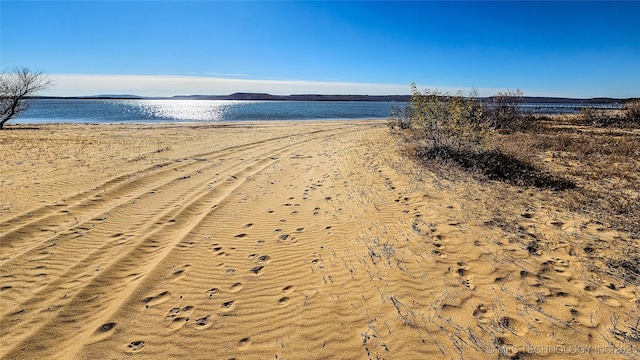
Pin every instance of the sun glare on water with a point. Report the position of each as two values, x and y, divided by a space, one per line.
187 110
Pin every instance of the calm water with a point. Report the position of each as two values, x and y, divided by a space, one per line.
560 108
138 111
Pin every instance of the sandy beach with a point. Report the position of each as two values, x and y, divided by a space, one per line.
286 240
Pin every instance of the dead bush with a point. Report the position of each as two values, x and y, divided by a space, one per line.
443 120
632 112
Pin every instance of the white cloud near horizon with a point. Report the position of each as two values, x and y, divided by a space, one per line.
167 85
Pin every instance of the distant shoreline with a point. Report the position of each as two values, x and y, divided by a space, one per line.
318 97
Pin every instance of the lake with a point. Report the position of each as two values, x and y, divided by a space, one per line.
166 110
142 111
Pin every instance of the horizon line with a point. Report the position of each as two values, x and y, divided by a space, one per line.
73 84
200 96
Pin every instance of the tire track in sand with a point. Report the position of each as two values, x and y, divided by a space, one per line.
41 225
97 295
98 235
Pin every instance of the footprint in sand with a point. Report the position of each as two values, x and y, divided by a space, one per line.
213 291
559 265
227 306
263 258
106 327
236 287
283 301
203 322
157 299
177 272
177 317
439 253
257 270
438 241
527 215
135 346
516 326
186 244
465 278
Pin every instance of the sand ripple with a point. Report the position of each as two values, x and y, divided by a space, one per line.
285 240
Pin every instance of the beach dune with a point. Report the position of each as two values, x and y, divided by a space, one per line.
284 240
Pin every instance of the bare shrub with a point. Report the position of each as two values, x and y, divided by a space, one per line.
630 115
596 117
505 112
401 117
632 112
448 121
456 130
15 86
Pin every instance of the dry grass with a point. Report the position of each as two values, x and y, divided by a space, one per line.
587 170
604 164
590 169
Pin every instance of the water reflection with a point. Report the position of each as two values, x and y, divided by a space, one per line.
174 110
181 110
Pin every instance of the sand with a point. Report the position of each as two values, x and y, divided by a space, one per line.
285 240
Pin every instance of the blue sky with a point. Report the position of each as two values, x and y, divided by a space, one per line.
573 49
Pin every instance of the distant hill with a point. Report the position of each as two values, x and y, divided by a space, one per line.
93 97
113 96
398 98
297 97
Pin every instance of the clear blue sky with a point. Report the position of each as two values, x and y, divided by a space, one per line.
574 49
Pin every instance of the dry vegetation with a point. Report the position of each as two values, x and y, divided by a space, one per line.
604 165
587 163
563 166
